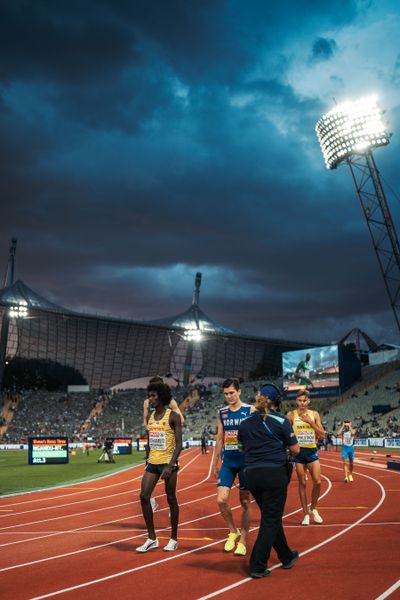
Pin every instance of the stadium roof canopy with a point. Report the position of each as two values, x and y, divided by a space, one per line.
193 318
20 293
108 351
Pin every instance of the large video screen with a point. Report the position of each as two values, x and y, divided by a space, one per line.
314 369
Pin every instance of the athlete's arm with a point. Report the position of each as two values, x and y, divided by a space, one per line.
340 430
312 418
146 412
175 408
290 417
317 425
175 424
218 447
147 447
294 450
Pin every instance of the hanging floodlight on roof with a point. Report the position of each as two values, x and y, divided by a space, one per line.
351 128
19 311
192 335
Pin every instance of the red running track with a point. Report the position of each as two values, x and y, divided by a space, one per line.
79 541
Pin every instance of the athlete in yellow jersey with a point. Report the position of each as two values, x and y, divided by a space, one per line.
163 449
307 426
148 409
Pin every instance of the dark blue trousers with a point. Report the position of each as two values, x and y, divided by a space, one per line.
269 488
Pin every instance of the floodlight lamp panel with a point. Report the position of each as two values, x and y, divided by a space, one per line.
351 128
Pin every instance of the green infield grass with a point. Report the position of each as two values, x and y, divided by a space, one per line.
16 475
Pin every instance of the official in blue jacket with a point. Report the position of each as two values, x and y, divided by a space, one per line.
265 438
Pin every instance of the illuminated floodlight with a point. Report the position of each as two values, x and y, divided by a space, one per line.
19 311
351 128
192 335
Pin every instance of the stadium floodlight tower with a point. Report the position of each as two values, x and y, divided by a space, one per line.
349 133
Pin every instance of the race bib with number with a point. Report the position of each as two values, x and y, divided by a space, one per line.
305 437
347 438
231 440
157 440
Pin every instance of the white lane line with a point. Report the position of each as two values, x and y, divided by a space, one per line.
108 507
389 591
80 529
62 486
206 529
84 501
327 541
125 539
364 466
172 557
98 524
100 488
177 556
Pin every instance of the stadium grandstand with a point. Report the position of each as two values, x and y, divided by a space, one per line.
110 360
107 352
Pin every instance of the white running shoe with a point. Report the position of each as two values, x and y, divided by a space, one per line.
148 545
316 516
306 520
154 504
171 546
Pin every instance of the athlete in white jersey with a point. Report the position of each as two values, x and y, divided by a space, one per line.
347 433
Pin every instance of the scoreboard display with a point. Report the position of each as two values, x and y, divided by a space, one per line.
122 445
47 450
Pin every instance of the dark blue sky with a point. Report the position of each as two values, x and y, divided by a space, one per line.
142 141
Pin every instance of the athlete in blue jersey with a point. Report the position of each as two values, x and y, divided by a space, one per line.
229 419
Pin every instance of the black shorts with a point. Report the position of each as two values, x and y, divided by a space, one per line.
158 469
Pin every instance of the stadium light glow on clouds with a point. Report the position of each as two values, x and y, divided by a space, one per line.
351 128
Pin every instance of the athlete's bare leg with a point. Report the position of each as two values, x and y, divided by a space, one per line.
301 472
170 490
149 481
223 494
245 501
315 471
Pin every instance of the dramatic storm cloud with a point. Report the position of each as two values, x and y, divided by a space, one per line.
142 141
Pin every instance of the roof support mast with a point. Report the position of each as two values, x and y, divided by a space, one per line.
187 367
5 322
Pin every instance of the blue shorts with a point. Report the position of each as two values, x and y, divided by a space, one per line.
306 456
227 475
348 453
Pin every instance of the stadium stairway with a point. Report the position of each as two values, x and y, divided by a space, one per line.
96 410
9 405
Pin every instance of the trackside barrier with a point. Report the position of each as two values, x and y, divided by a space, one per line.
361 443
372 442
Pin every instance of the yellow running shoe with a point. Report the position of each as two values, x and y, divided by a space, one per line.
240 549
351 477
231 541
